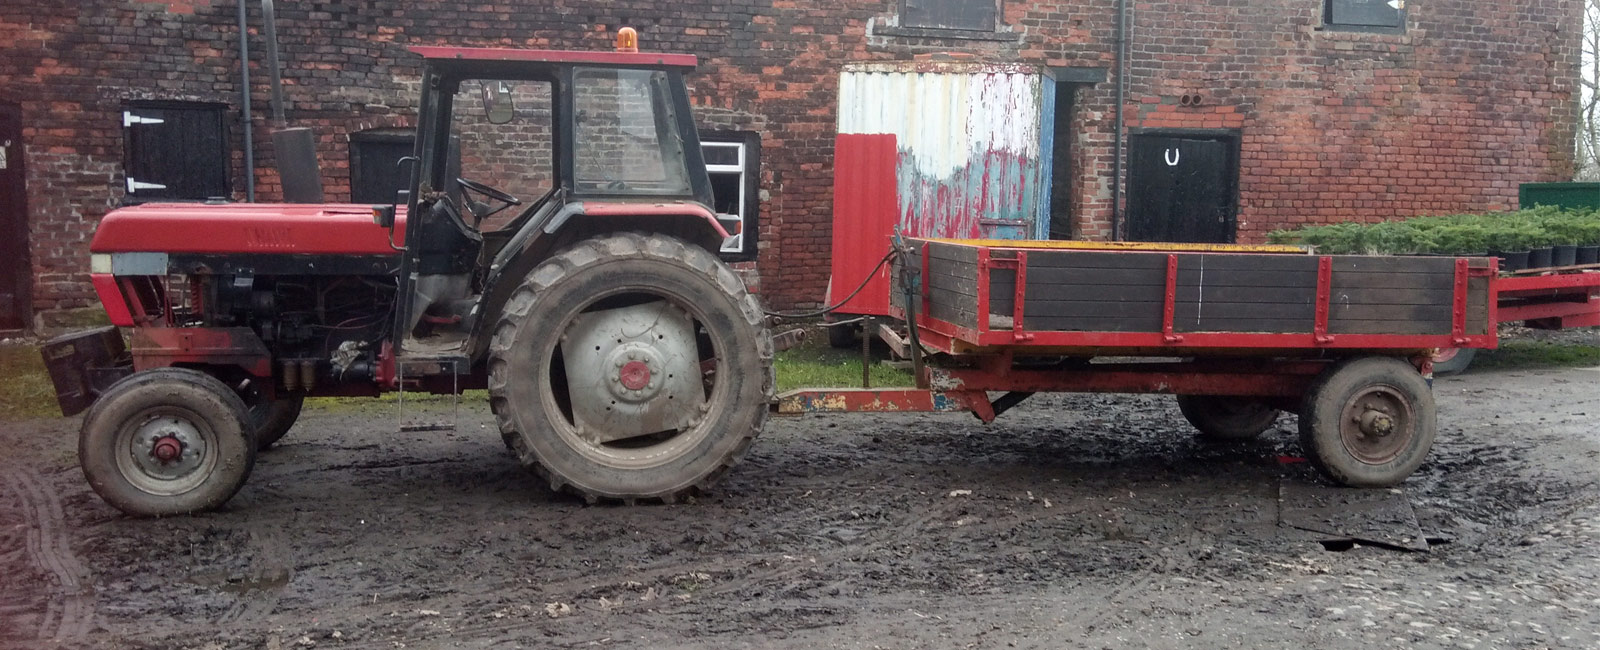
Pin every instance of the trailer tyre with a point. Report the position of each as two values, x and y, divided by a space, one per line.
731 375
1368 422
1227 418
273 419
167 441
1453 361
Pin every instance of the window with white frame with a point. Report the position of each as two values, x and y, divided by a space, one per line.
733 165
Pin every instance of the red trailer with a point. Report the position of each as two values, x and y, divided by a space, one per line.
1549 299
1238 333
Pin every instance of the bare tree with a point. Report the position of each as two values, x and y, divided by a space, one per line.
1589 108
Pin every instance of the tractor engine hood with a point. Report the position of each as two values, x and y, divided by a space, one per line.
261 228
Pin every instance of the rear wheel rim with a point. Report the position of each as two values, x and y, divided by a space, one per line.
145 447
1377 424
641 452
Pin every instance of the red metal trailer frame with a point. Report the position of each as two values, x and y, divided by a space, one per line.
1553 300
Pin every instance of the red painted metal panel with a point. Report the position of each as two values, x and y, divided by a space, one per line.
1169 302
865 206
556 56
1324 300
1274 382
160 347
653 209
105 286
273 228
1510 286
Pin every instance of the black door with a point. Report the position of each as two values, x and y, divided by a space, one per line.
175 151
14 268
1182 188
376 175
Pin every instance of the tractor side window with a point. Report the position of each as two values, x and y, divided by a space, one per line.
515 157
626 139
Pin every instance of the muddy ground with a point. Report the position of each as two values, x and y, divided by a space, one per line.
1093 522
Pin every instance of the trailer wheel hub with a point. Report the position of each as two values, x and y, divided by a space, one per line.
1377 423
635 375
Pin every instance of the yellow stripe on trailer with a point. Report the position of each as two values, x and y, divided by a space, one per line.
1124 246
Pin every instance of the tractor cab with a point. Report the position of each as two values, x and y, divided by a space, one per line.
520 151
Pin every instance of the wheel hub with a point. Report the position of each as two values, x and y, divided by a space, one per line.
635 375
168 448
1376 423
632 371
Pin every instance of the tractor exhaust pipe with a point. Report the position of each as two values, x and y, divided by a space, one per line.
294 150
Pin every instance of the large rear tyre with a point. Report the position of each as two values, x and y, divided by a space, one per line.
272 419
1227 418
167 441
1368 422
631 367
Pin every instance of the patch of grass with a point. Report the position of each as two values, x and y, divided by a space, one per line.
1525 353
815 365
25 388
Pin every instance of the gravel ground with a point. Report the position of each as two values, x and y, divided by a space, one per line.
1074 521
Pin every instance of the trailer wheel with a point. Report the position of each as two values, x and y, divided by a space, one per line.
1368 422
630 367
273 418
167 441
1453 361
1227 418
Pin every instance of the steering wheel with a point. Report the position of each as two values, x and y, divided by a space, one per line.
481 211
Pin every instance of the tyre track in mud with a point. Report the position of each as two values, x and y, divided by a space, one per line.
262 586
70 612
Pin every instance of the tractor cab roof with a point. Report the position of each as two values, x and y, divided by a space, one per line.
498 57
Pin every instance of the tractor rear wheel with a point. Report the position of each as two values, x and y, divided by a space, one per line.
273 418
630 367
167 441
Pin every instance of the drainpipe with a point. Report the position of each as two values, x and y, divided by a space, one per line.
244 102
1122 99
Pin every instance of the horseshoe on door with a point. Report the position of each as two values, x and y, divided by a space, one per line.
1173 156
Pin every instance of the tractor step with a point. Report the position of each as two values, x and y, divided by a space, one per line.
417 366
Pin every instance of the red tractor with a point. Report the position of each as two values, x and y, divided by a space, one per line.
623 359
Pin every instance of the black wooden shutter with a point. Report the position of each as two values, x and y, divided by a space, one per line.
175 151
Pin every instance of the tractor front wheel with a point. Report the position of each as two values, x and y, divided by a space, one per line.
167 441
631 367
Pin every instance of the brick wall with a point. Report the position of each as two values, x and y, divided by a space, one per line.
1474 98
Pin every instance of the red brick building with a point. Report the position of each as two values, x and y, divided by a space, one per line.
1307 110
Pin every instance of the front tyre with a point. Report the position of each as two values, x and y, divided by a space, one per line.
629 367
167 441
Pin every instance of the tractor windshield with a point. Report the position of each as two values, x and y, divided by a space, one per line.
626 138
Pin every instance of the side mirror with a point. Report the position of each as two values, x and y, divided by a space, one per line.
383 215
497 103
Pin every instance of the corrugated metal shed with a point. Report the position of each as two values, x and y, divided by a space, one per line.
973 139
938 149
